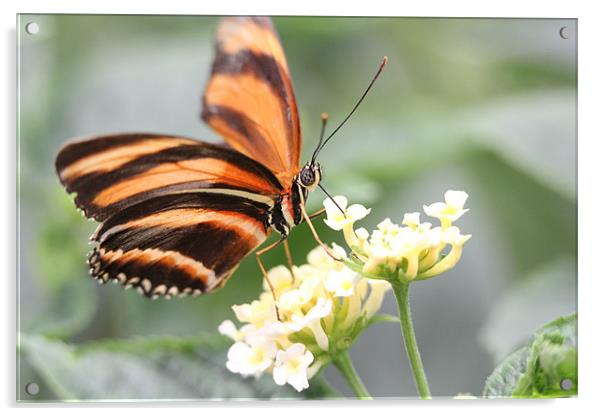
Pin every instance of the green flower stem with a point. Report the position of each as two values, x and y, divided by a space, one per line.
343 363
402 294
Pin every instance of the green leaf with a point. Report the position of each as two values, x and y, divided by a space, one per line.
565 326
147 369
540 368
503 379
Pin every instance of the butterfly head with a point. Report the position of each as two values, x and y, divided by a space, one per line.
310 176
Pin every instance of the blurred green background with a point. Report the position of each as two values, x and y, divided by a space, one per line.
482 105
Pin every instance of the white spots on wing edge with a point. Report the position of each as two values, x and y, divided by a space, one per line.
143 285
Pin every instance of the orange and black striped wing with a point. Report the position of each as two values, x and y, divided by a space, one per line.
249 98
177 215
178 245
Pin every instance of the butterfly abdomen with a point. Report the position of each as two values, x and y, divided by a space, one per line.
286 213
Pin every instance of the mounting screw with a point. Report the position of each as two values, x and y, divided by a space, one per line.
32 389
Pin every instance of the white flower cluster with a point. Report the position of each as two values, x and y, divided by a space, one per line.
323 306
410 251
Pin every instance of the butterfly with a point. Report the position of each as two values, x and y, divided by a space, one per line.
178 215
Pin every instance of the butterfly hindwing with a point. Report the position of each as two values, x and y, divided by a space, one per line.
183 244
249 98
177 215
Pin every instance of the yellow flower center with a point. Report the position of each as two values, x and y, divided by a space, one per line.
258 356
293 365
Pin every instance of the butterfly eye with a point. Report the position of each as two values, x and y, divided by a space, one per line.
308 178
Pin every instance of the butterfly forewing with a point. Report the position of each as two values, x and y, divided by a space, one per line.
113 172
249 98
178 215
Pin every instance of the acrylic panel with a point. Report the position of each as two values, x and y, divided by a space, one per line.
264 245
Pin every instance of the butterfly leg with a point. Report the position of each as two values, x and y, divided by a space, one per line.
307 219
317 213
265 273
289 258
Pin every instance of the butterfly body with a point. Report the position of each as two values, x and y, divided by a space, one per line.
286 213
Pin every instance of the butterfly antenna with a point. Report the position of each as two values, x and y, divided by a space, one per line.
380 69
324 117
332 199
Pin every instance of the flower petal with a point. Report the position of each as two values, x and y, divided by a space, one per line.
356 212
331 207
279 374
228 329
456 199
434 210
411 219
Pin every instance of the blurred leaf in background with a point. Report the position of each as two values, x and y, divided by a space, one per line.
148 369
548 292
67 301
